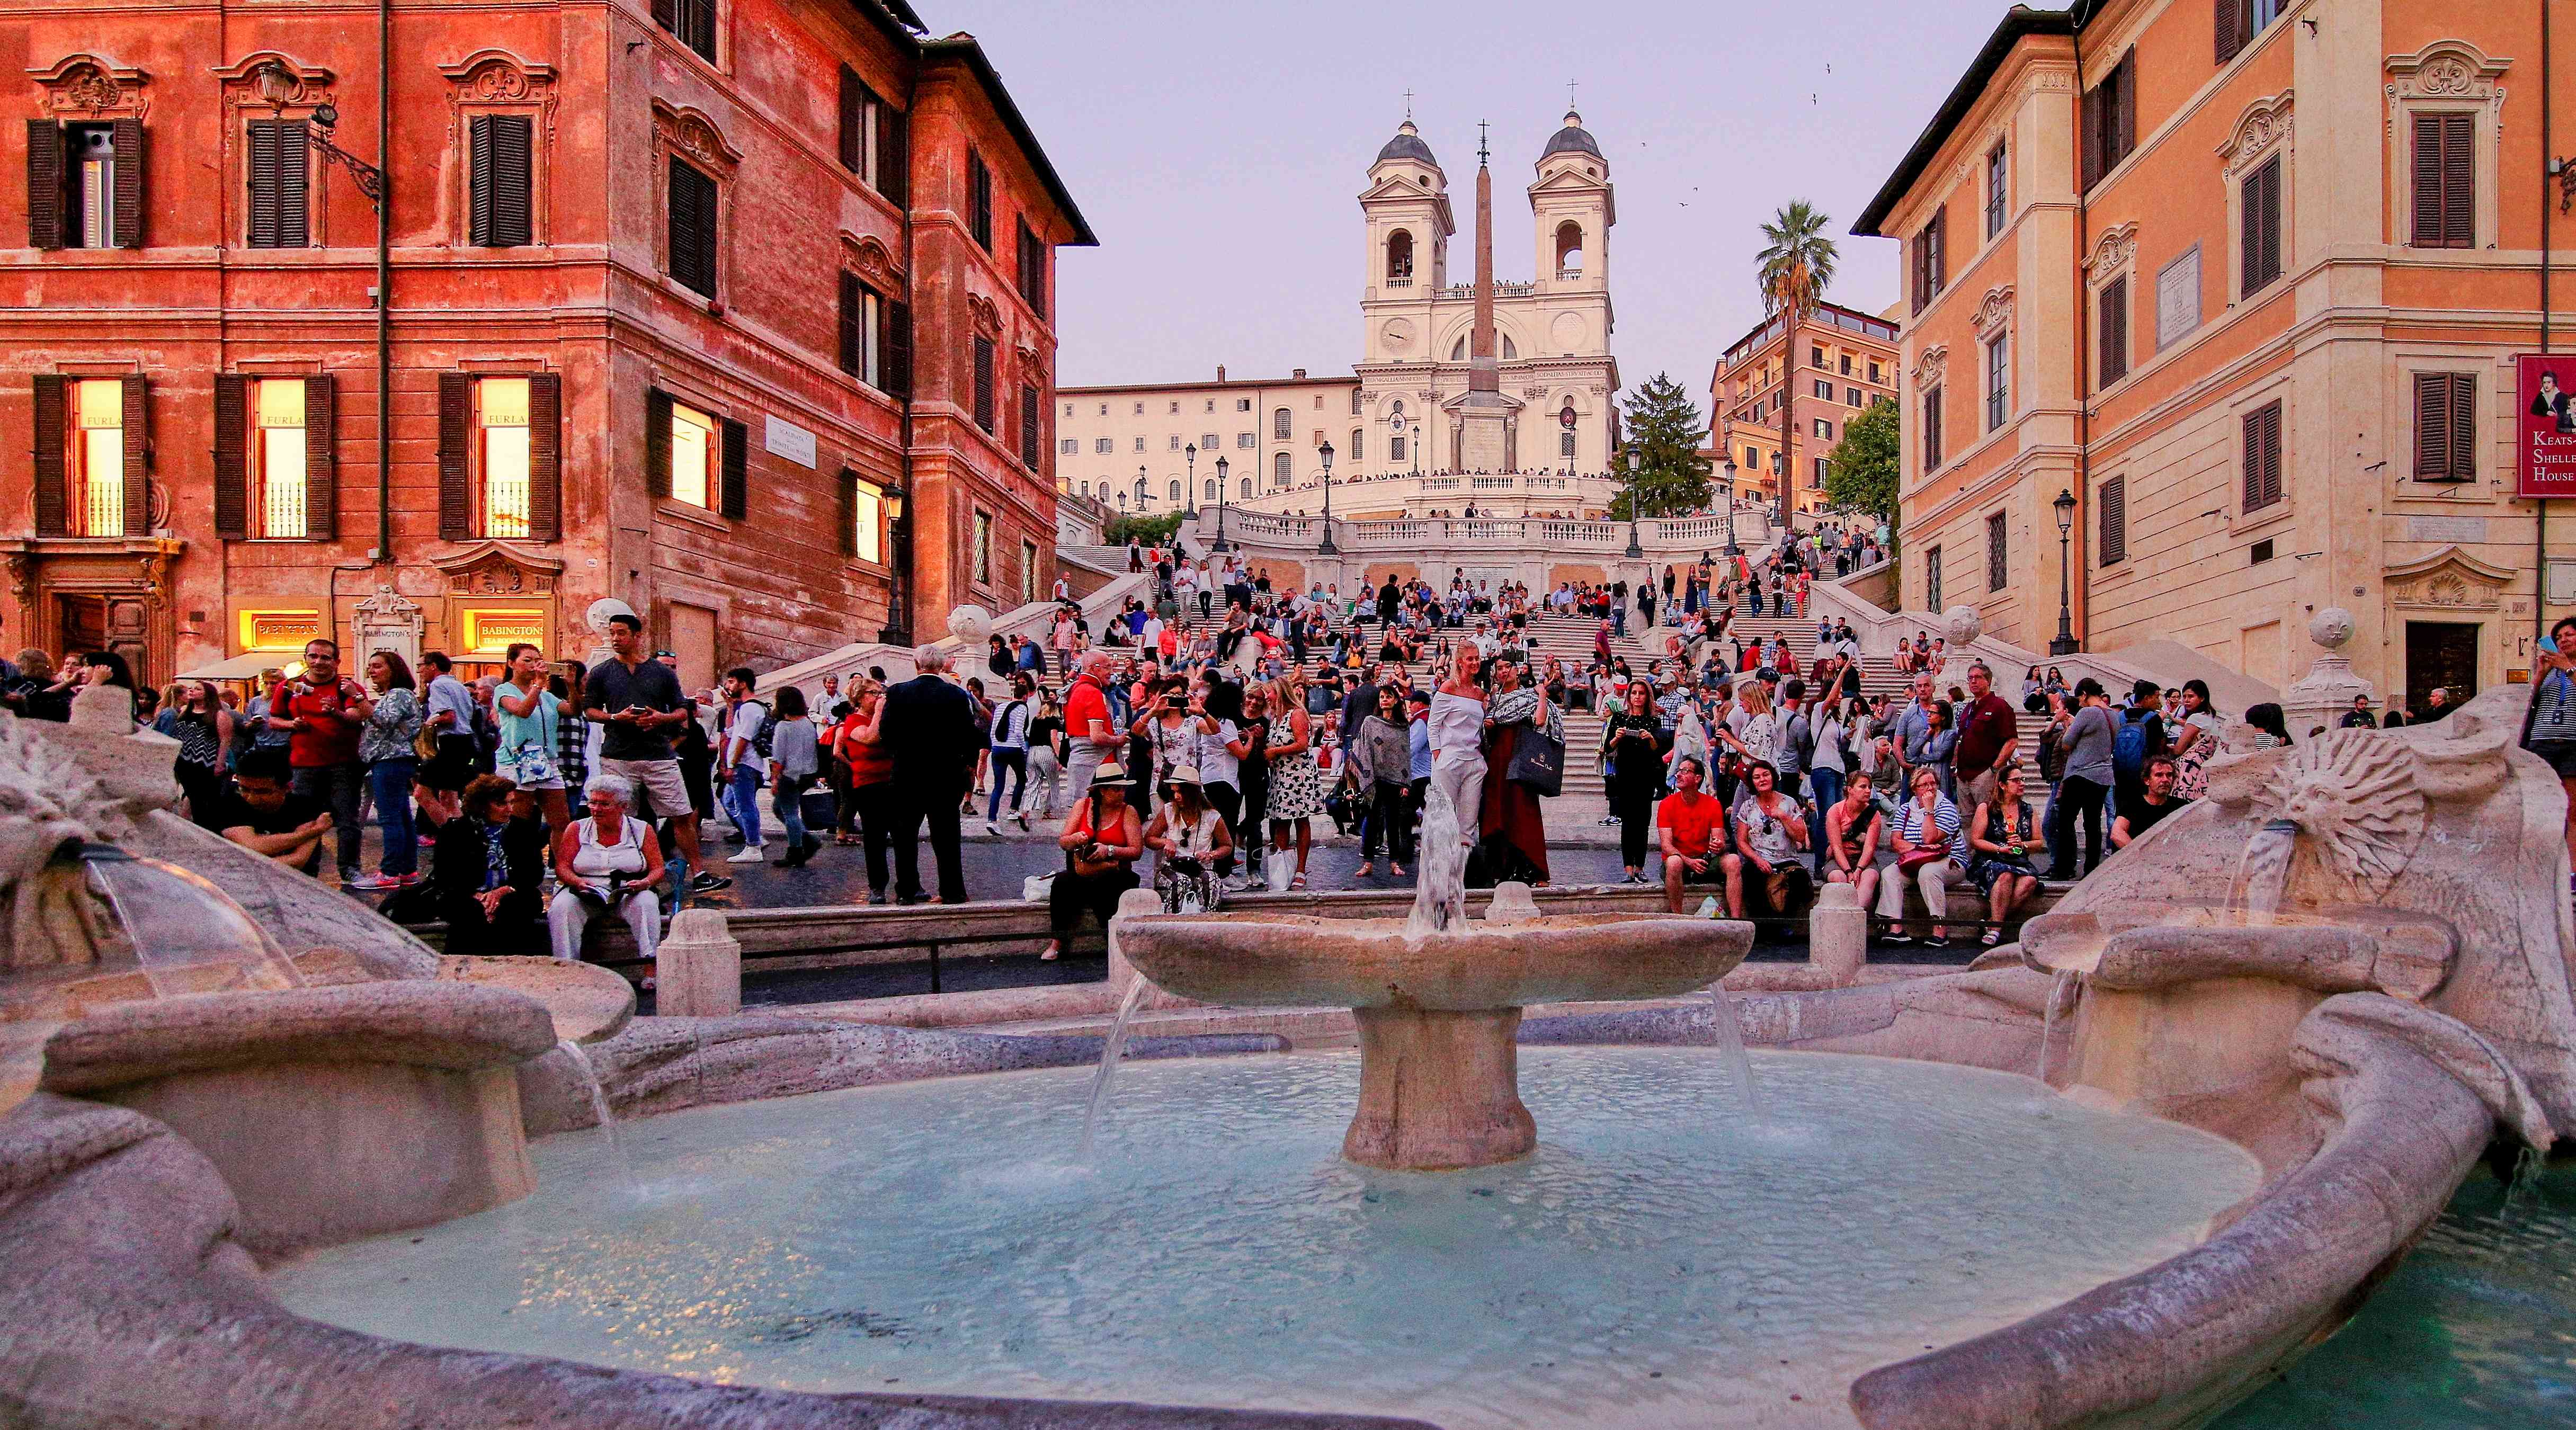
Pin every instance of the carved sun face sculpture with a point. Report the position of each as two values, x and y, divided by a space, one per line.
2357 798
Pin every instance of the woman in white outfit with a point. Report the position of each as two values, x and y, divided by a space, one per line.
607 863
1457 742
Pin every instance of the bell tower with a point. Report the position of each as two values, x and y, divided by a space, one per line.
1571 205
1405 262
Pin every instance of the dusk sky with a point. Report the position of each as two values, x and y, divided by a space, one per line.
1219 150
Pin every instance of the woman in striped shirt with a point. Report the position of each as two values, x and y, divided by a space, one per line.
1928 856
2553 717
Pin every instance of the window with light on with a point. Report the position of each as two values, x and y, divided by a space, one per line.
502 419
692 451
867 521
98 405
277 405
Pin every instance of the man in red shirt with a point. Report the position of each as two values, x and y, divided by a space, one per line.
1089 733
1689 825
324 711
1988 729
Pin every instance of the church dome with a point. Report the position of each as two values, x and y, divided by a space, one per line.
1407 144
1572 139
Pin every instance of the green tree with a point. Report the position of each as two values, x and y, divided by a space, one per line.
1151 530
1860 472
1664 430
1797 265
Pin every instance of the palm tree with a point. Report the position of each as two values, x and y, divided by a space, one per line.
1797 265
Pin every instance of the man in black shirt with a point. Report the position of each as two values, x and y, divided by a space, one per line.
637 701
264 816
2359 716
2152 806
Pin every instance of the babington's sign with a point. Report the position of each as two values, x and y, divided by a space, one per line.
2545 427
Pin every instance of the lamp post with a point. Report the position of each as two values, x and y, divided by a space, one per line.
2065 642
1220 506
1327 548
1190 483
897 629
1636 459
1142 488
1731 548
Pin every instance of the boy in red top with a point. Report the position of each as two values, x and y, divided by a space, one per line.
1689 824
324 711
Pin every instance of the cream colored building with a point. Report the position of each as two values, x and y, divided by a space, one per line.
1151 448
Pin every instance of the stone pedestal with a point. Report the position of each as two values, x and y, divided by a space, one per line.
1438 1090
2320 699
699 969
1838 932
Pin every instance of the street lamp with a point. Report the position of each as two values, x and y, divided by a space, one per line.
898 627
2065 642
1731 548
1190 483
1220 506
1636 459
1328 548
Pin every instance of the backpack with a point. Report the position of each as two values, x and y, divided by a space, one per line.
2129 747
768 727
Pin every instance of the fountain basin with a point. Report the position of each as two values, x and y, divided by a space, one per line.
1438 1013
331 1112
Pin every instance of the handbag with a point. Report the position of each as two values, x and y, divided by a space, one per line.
533 764
1538 762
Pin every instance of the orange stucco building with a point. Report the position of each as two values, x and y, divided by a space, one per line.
2245 281
1846 364
737 311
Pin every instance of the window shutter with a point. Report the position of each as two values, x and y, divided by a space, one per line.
693 228
455 481
657 441
2228 26
2433 426
2115 331
44 184
232 452
2114 507
895 361
2444 181
984 383
894 156
545 456
1029 427
263 184
1940 235
2263 457
854 119
138 455
51 417
2088 135
737 470
666 13
852 313
321 459
280 169
2464 426
2124 111
2261 203
499 187
478 183
845 511
125 136
979 199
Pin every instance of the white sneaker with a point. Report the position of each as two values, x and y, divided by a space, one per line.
752 855
991 830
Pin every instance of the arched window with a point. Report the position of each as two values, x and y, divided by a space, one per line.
1569 249
1247 489
1281 469
1353 455
1209 492
1399 256
1176 490
1279 425
1355 402
1086 488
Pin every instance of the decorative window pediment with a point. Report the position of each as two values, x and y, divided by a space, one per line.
1995 309
2448 579
84 86
2257 128
2117 247
1930 365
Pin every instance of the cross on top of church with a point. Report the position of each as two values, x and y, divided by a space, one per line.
1408 104
1480 141
1569 94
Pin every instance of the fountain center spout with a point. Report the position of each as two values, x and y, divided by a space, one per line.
2264 872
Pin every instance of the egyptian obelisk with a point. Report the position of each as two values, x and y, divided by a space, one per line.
1482 416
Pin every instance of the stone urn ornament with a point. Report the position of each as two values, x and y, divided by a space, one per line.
971 624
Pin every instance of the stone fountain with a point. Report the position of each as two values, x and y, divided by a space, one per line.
1436 997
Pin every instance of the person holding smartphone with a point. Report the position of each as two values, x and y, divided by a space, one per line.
2553 716
1102 840
636 701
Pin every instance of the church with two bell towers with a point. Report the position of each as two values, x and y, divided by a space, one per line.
1488 375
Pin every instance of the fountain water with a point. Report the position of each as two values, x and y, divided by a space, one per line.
1729 1035
2263 872
599 1109
2057 990
1110 1051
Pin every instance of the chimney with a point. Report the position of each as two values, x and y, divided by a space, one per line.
1296 372
1220 372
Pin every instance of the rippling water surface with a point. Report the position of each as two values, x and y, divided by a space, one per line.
2477 1328
1657 1262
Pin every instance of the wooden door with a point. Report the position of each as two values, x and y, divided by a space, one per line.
693 639
2443 653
